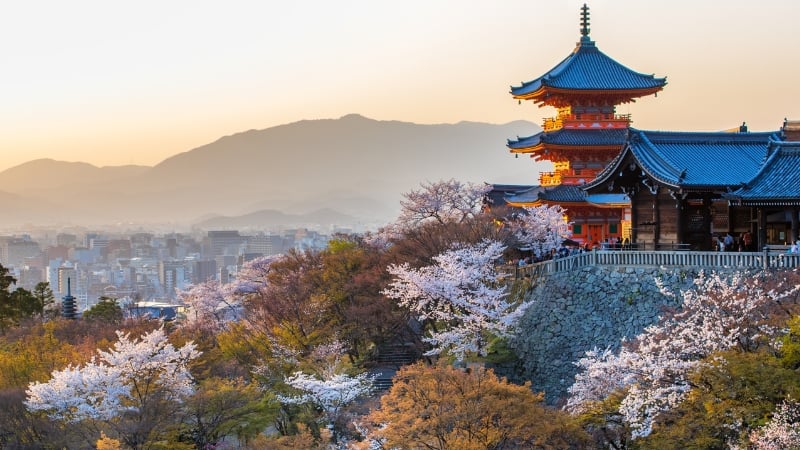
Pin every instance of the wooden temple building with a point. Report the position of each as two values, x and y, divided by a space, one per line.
657 189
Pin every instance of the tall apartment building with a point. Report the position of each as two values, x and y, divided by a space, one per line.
266 244
13 251
118 248
204 270
66 239
224 242
171 275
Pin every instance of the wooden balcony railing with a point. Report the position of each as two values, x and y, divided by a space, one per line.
630 258
549 179
569 177
586 121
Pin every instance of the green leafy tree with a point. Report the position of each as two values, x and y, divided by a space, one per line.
14 304
352 277
33 355
223 408
733 394
790 348
313 298
43 300
21 429
446 408
106 310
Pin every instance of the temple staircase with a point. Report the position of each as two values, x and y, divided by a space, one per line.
390 358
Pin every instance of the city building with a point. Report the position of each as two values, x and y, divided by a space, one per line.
171 276
225 242
266 244
204 270
14 251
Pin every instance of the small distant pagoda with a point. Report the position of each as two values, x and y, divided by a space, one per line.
69 308
584 136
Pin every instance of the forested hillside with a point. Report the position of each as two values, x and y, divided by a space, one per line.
294 352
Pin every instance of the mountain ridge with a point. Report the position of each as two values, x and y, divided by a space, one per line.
267 218
356 165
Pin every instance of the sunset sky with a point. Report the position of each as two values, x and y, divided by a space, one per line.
114 83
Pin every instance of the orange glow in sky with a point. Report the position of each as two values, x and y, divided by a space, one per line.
114 83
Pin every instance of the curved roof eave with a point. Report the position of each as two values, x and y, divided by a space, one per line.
565 138
779 167
544 91
587 68
610 169
525 142
765 166
609 200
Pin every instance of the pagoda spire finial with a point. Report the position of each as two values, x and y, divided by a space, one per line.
585 20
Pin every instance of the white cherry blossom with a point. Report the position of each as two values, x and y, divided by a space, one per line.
442 201
720 314
125 378
541 228
460 294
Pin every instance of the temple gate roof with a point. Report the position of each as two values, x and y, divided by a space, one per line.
562 195
778 181
693 160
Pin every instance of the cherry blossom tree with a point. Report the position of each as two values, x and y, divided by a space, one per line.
213 306
442 201
460 295
383 238
126 387
782 432
652 370
252 277
210 305
330 389
541 228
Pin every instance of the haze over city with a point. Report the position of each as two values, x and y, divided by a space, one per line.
135 83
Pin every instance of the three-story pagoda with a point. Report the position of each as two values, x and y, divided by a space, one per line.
584 136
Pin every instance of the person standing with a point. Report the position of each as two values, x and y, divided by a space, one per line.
728 242
747 241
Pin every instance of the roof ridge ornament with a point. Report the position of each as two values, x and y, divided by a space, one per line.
585 20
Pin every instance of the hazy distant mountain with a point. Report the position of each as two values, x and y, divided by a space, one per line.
24 210
356 166
272 218
44 174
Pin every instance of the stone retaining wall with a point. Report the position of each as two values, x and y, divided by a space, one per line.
591 307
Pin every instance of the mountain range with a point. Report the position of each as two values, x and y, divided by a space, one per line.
352 170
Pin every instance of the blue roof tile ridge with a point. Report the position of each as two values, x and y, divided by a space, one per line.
708 137
658 160
780 167
588 59
579 136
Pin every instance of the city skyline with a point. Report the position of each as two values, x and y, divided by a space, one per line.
112 84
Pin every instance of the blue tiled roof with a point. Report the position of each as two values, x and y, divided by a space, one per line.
778 181
700 159
608 199
527 196
511 188
567 136
562 194
500 192
587 68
